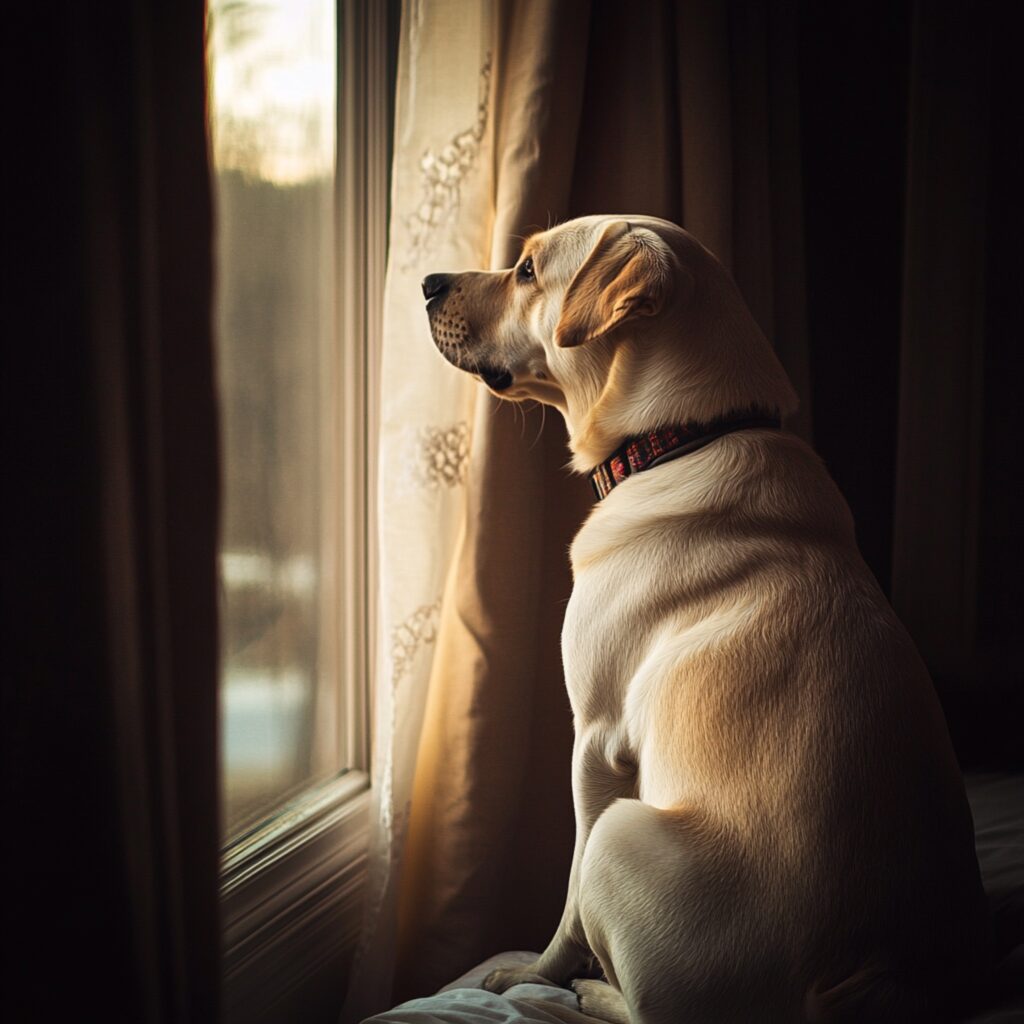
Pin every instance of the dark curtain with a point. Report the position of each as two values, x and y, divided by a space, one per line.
110 674
911 167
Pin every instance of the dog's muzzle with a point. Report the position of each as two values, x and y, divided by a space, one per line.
448 331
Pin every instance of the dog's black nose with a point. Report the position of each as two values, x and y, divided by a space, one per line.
435 284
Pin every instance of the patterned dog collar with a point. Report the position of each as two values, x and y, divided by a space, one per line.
658 446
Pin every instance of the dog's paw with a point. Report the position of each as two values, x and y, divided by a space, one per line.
598 999
503 978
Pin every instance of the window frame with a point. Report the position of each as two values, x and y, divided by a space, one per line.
292 887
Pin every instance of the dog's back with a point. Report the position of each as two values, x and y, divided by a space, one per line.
772 693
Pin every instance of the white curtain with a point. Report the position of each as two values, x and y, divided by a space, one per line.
441 220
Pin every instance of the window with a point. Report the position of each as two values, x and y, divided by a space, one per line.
273 91
298 110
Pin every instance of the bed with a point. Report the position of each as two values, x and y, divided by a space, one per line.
997 800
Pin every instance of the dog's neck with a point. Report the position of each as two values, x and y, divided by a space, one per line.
711 373
657 447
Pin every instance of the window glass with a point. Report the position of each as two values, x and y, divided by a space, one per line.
272 80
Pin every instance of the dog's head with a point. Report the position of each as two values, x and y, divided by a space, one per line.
623 324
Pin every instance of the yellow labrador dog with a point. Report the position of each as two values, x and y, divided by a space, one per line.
771 825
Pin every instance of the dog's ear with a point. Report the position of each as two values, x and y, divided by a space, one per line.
625 276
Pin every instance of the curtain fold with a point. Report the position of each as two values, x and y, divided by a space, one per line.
943 339
956 579
911 214
110 574
510 117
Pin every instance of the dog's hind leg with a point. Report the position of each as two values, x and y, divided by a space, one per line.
672 914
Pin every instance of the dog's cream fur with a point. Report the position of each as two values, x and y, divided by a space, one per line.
771 825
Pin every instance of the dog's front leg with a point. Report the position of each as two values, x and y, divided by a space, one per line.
602 771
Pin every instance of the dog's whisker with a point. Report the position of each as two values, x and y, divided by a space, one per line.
534 406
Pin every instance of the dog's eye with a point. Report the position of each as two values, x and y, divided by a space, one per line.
525 270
